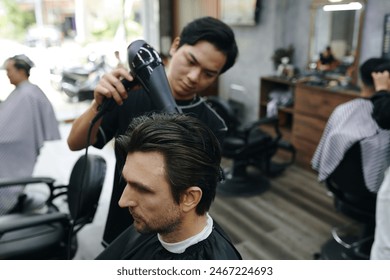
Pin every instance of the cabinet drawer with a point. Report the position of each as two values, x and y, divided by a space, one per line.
308 128
307 132
318 102
305 151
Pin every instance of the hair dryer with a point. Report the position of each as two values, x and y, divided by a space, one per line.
147 68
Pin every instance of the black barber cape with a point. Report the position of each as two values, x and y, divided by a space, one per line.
131 245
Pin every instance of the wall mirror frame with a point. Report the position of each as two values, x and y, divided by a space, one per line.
341 30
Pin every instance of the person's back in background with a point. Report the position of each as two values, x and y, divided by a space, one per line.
27 119
352 122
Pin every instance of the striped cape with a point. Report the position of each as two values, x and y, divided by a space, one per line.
27 119
349 123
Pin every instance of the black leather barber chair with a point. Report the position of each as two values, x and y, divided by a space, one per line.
52 234
353 199
248 145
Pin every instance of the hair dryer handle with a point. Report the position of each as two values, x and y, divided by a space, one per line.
160 91
109 104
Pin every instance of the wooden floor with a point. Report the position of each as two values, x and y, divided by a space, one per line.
291 220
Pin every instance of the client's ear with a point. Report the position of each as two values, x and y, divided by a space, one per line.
190 198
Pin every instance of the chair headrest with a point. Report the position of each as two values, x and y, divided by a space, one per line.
85 185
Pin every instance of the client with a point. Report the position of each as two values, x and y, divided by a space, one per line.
171 169
353 122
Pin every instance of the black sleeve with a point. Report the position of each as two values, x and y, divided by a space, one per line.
381 110
108 128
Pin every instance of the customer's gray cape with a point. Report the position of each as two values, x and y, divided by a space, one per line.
349 123
27 119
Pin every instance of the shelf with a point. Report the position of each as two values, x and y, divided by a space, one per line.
289 110
278 80
269 84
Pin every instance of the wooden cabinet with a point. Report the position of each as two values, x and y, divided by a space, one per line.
312 108
304 122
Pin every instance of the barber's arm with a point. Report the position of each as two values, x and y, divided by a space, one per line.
381 99
381 80
110 86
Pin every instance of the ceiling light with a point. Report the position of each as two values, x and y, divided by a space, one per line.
343 7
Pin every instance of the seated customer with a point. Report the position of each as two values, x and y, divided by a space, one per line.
327 60
353 122
381 247
171 169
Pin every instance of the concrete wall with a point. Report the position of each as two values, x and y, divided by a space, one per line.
373 28
285 22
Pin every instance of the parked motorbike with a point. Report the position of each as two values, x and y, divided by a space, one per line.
79 82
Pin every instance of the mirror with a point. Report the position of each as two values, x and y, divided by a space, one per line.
336 24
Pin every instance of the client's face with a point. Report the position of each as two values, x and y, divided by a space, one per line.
147 194
15 75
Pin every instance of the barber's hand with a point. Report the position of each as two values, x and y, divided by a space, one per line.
110 86
381 80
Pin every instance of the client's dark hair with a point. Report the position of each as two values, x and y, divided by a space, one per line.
383 67
369 66
215 32
191 152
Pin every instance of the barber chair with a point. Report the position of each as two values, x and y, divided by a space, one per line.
52 234
248 145
353 199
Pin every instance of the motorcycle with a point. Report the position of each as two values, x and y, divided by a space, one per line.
79 82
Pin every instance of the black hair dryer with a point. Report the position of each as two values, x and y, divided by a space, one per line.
147 68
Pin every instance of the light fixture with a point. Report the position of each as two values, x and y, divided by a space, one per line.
343 7
334 1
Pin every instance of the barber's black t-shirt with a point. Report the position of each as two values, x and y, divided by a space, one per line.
381 110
